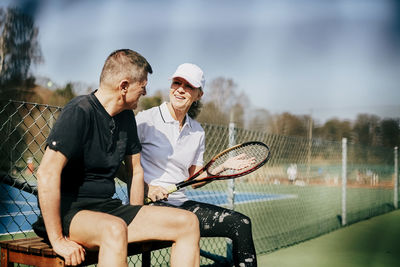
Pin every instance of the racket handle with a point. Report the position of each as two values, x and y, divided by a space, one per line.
170 189
147 200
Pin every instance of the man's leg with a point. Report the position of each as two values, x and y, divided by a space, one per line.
107 232
162 223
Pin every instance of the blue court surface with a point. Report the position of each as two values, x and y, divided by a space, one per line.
18 209
221 198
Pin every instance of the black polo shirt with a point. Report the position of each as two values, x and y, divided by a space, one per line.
95 144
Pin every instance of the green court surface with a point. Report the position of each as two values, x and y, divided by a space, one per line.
370 243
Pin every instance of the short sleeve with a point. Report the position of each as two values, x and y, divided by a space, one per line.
198 159
68 132
141 126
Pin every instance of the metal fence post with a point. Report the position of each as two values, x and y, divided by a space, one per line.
344 179
231 190
231 183
396 178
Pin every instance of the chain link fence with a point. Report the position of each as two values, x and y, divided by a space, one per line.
296 196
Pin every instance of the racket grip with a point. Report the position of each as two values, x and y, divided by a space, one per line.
170 189
147 200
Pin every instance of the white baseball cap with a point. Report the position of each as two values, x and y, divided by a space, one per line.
191 73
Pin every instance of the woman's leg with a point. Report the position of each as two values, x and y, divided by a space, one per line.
216 221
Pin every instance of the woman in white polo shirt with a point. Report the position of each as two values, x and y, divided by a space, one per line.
172 149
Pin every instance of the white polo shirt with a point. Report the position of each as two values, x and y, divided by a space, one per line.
167 152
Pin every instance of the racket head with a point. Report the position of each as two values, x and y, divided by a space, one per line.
258 151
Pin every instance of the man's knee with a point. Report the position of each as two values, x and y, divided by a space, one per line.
188 221
115 230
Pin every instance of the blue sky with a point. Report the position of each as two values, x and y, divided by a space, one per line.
328 58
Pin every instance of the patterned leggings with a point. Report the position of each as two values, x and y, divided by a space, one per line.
220 222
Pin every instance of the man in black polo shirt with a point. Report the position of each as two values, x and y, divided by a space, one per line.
92 136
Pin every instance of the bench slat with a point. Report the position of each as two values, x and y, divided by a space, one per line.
35 260
33 251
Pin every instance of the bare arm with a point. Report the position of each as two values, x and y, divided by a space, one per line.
192 170
49 183
134 172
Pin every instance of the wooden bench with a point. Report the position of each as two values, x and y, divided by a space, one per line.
33 251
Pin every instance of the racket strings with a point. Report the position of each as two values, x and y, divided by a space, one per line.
239 160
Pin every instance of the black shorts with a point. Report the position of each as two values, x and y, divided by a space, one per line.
109 206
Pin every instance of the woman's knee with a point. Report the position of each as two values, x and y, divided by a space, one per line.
245 220
239 224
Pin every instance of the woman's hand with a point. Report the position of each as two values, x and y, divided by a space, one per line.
156 193
238 162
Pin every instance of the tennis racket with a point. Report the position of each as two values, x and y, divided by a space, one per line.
231 163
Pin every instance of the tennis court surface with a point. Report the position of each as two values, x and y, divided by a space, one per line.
372 243
17 207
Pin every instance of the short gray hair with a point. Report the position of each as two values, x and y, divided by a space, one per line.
125 63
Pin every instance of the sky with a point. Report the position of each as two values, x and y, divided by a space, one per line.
324 58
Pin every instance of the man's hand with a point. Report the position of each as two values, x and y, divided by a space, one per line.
72 252
157 193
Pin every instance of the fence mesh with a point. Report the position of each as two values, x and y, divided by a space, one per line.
296 196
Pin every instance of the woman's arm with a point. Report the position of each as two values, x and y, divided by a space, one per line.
192 170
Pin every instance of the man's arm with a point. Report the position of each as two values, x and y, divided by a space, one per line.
49 183
134 172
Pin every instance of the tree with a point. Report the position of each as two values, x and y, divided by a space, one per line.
334 130
289 124
223 104
211 113
147 102
261 120
390 132
19 48
62 96
222 92
366 130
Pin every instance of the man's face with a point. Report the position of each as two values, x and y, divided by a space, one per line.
135 91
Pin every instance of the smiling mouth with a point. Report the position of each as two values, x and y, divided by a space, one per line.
179 97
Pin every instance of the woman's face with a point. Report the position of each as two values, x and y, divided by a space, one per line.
183 94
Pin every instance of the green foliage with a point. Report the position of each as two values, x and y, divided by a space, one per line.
366 128
212 114
288 124
62 96
390 132
150 101
334 130
19 48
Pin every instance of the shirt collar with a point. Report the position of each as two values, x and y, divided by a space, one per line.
167 117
